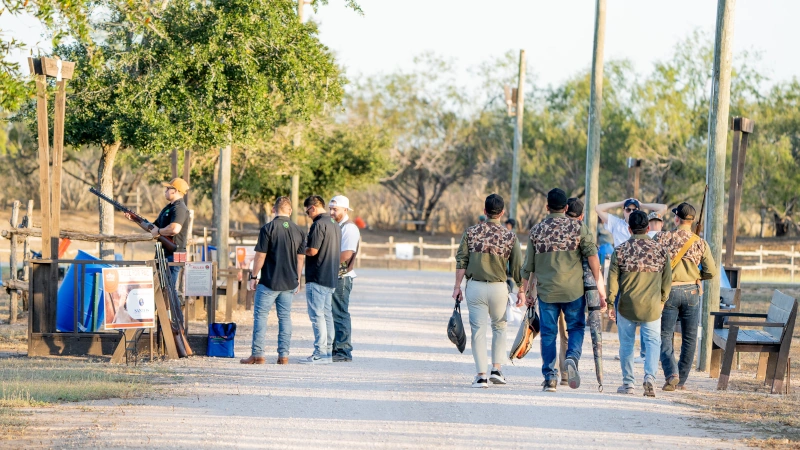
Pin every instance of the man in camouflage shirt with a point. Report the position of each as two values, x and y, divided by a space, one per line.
556 249
684 298
486 250
641 274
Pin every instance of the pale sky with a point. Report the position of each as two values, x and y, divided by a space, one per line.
557 35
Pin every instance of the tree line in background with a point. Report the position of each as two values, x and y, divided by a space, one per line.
423 144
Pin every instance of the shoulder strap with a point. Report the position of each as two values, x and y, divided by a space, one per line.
683 250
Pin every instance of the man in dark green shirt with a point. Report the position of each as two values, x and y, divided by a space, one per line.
555 254
486 250
641 274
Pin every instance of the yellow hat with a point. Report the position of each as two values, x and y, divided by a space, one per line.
179 184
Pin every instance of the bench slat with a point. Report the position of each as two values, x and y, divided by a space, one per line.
750 337
779 310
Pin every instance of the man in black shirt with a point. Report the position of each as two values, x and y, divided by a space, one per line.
280 252
322 273
173 221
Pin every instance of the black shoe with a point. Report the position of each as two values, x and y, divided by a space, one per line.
341 358
497 377
573 377
549 385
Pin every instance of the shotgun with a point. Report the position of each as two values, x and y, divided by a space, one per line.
167 242
698 228
176 319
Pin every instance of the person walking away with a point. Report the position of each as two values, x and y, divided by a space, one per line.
322 273
641 275
655 222
556 248
619 231
280 252
351 236
173 222
483 254
510 224
687 251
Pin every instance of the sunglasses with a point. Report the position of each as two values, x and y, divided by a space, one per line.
630 210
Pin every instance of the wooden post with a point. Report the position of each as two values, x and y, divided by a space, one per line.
760 262
634 170
715 169
391 252
421 253
173 162
452 253
222 205
595 113
26 276
791 261
44 154
12 263
58 156
741 131
512 210
187 172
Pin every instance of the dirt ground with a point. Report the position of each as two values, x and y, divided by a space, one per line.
407 387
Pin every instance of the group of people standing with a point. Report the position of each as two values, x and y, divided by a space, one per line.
328 253
654 281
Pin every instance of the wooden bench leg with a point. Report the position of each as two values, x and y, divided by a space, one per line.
727 358
761 373
772 363
780 369
716 360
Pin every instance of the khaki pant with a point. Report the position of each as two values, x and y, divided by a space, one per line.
487 301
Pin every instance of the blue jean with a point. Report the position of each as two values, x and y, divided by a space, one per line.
683 305
174 273
262 304
575 316
341 317
319 311
651 332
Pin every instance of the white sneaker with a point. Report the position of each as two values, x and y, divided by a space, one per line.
315 359
479 382
638 360
497 377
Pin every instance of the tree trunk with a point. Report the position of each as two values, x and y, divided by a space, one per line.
105 172
221 197
262 214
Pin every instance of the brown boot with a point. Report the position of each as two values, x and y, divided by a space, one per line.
283 360
253 360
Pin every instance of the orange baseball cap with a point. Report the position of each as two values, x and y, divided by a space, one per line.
179 184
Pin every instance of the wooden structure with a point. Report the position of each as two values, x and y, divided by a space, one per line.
742 128
773 342
634 174
44 339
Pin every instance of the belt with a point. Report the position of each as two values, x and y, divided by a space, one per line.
685 283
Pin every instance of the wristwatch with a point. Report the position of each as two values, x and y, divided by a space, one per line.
253 278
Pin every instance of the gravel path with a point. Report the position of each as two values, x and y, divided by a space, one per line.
406 388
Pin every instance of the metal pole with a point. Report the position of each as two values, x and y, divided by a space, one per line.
595 113
715 169
512 211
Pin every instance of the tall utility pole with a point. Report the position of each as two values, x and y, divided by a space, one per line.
715 169
512 211
595 112
295 192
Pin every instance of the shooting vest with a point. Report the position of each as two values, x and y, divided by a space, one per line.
348 266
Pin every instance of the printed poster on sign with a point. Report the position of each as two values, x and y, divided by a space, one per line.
245 254
198 279
129 298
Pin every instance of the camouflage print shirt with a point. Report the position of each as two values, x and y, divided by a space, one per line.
641 274
556 248
486 250
696 264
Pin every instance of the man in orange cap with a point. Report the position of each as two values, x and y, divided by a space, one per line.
173 221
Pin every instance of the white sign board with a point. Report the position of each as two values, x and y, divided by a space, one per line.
198 279
404 251
129 297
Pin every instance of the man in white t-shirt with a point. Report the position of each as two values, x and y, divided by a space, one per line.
351 236
619 229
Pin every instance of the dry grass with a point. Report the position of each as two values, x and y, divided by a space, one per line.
29 382
747 401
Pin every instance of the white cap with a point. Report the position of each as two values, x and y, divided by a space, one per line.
340 201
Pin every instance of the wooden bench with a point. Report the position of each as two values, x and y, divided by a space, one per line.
773 341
